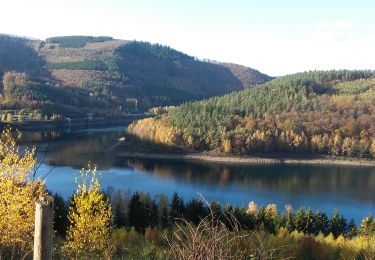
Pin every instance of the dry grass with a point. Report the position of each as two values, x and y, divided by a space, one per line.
105 46
91 51
75 78
213 239
210 239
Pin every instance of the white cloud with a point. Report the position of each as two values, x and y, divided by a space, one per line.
333 25
334 31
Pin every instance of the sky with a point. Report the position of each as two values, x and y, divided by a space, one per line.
276 37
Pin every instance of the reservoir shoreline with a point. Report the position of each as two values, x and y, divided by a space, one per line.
202 157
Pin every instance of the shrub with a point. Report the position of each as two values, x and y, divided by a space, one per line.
90 219
18 192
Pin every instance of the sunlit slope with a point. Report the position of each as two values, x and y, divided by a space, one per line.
326 112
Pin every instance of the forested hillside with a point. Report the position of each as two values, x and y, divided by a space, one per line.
324 112
74 75
170 77
21 55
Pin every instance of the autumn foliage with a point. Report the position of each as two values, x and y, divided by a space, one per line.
18 192
90 219
329 113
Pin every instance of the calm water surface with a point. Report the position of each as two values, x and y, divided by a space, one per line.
351 189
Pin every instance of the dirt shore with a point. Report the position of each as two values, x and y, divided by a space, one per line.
247 160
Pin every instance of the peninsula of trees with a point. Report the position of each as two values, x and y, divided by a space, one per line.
320 112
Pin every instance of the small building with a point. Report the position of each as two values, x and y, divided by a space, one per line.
20 117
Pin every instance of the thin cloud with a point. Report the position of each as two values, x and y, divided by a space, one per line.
331 25
334 31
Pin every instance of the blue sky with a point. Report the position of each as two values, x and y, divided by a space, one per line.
275 37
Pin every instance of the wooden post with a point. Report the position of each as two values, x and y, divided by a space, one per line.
43 228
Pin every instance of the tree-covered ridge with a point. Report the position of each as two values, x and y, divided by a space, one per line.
248 76
113 76
170 76
20 54
329 112
147 50
76 41
300 92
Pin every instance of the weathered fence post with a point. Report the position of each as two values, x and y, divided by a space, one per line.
43 228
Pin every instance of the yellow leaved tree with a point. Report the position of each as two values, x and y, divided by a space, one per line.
18 192
90 214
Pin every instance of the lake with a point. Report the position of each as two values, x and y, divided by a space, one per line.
351 189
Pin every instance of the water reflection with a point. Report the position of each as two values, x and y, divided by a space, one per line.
349 188
37 137
354 181
76 148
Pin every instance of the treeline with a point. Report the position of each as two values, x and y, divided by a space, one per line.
79 65
139 210
76 41
315 112
147 50
145 226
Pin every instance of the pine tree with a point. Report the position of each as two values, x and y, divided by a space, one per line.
337 224
118 207
195 211
177 208
137 213
163 212
60 217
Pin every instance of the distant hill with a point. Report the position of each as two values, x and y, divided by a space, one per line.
248 76
73 75
20 54
324 112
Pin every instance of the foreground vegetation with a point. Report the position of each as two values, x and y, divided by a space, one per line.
149 227
123 225
321 112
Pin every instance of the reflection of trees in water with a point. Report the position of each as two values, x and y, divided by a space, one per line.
359 181
79 149
40 136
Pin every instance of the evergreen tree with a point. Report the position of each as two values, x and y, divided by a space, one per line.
300 220
337 224
177 208
137 213
195 211
163 211
118 207
321 223
60 217
352 229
